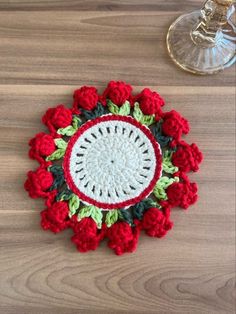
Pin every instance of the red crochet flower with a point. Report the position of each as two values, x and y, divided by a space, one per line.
50 199
41 145
187 157
55 218
150 103
59 117
156 223
38 182
174 125
87 235
86 98
118 92
122 237
182 194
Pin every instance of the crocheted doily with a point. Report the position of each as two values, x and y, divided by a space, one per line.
112 165
112 162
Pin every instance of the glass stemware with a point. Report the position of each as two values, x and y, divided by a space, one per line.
204 41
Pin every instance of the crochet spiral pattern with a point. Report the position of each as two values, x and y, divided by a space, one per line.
111 166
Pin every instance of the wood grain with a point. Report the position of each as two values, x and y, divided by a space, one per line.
72 48
100 5
44 55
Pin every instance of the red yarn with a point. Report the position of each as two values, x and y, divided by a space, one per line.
58 117
42 145
87 235
50 199
87 199
187 157
86 98
182 194
58 212
150 103
38 182
174 125
156 223
55 218
122 237
118 92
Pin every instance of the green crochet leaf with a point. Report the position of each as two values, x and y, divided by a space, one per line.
162 184
111 217
56 169
139 209
74 203
85 212
60 143
112 107
76 122
162 139
64 195
97 216
124 110
140 117
148 120
58 154
167 165
71 129
58 176
96 112
93 212
68 131
126 216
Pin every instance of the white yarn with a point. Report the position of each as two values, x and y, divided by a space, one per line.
112 162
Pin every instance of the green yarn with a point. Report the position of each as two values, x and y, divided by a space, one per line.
162 139
95 113
126 215
85 212
93 212
123 110
111 217
113 108
68 131
74 204
167 165
71 129
76 122
139 209
162 185
140 117
60 143
56 169
60 152
64 195
58 175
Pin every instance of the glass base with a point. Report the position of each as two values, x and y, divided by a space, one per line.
193 57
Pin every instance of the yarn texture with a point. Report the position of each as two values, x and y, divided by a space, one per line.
112 165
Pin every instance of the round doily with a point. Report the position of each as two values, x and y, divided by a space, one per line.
111 166
112 162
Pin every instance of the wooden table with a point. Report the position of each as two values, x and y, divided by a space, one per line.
49 48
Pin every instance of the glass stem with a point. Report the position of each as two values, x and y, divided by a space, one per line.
208 31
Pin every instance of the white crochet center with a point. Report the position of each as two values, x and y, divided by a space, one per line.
112 162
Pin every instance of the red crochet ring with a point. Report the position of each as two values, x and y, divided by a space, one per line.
112 165
75 189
